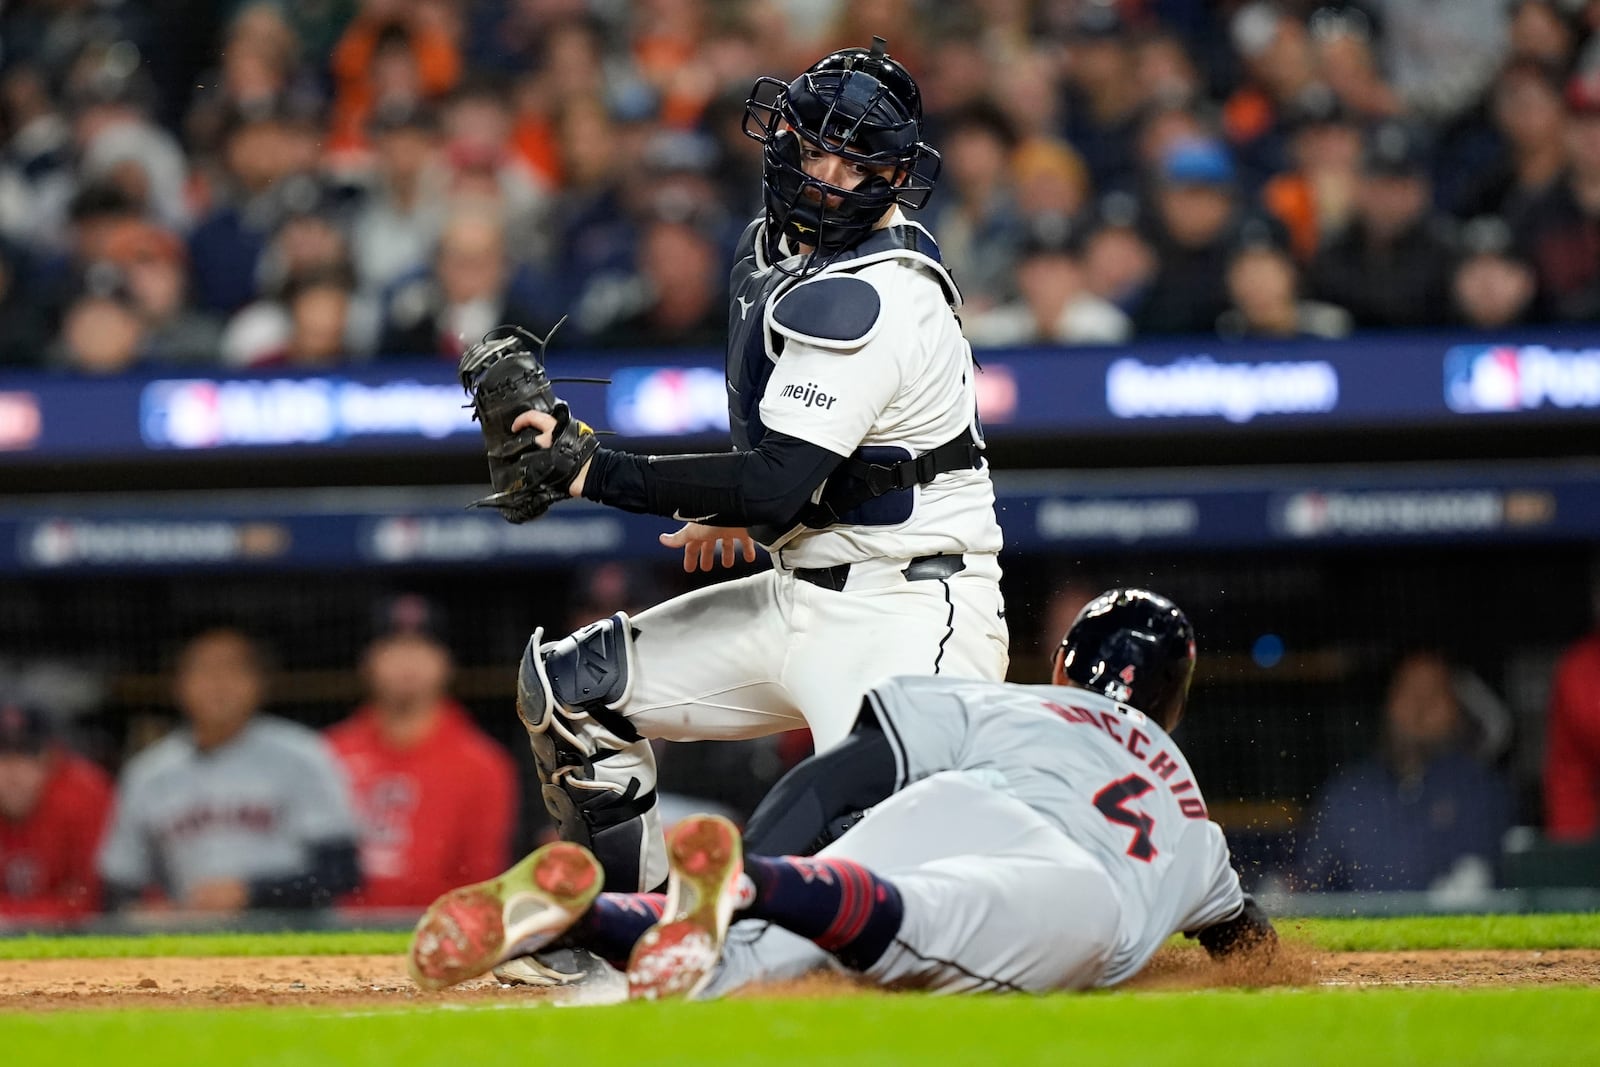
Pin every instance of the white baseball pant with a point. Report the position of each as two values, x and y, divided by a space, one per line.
768 653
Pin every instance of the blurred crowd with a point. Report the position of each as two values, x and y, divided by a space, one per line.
237 808
406 796
312 181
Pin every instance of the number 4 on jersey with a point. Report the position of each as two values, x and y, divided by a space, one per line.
1112 802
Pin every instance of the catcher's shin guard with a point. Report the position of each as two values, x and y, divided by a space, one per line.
597 775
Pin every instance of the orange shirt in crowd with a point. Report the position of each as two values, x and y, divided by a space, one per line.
434 816
667 61
536 143
1290 199
47 860
1247 114
1572 745
438 69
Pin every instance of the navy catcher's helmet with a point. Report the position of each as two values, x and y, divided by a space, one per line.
857 103
1134 646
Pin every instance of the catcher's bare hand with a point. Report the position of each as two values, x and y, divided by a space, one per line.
701 545
545 424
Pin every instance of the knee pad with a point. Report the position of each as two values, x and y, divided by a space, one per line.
589 669
586 672
535 702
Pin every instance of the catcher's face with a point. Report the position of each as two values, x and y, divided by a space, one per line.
836 170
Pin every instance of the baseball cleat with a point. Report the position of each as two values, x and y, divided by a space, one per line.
470 930
562 966
676 957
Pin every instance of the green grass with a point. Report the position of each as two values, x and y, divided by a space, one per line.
1446 931
1303 1028
342 943
1334 935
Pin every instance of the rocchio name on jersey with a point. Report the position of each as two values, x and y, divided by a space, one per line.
1121 729
808 395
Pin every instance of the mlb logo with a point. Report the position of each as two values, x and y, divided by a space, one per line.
181 414
1303 515
1479 378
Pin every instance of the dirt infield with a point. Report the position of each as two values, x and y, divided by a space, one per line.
367 981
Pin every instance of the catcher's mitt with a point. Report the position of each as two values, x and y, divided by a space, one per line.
504 373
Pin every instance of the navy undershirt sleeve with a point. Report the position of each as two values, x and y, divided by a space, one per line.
768 485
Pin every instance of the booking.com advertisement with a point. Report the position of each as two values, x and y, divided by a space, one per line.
1134 389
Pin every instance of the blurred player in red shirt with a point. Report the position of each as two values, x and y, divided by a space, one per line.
435 795
54 807
1572 743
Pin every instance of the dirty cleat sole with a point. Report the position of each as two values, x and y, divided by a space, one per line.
675 958
472 929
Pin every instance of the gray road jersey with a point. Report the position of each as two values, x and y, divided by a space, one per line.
250 809
1109 778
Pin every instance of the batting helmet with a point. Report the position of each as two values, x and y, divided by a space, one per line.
1134 646
856 103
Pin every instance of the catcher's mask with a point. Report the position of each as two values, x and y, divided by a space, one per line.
858 104
1135 647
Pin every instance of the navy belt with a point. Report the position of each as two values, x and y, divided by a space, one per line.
921 569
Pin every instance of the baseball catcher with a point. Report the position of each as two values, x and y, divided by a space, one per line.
857 463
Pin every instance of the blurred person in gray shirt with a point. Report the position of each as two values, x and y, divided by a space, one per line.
235 810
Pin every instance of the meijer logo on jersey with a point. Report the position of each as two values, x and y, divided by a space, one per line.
808 395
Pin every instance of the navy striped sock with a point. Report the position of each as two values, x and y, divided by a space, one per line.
615 921
839 904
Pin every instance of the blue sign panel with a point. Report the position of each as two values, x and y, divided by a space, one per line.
1261 509
1213 386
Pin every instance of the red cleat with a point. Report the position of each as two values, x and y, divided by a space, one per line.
676 957
470 930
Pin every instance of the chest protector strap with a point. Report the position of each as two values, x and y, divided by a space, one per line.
857 481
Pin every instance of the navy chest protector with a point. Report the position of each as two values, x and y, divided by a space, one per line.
872 486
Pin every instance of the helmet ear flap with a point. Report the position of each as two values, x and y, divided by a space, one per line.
785 145
874 187
878 192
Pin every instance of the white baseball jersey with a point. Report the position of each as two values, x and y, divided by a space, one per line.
1042 838
251 808
879 365
910 383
